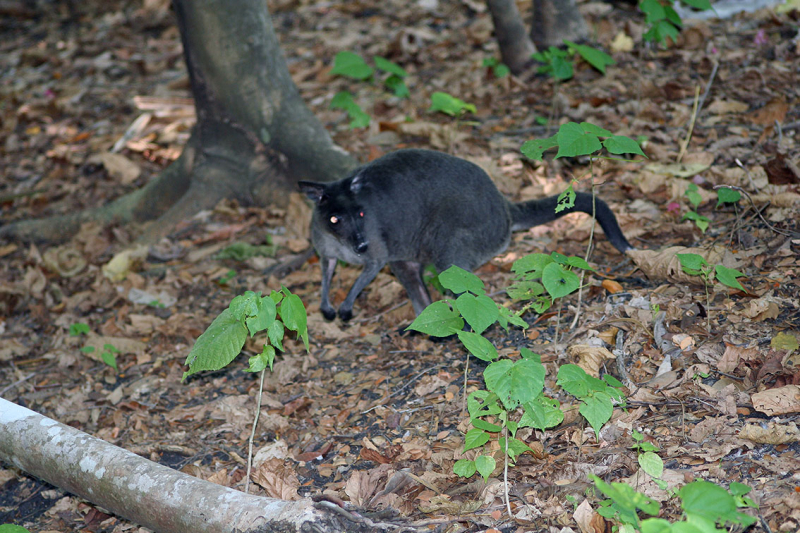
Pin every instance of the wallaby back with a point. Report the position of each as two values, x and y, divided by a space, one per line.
412 208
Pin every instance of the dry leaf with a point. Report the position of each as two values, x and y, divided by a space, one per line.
664 265
590 358
772 434
277 479
778 401
118 166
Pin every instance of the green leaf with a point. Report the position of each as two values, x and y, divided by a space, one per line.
275 334
541 413
482 403
708 501
515 383
438 320
573 141
450 105
475 438
486 426
264 316
218 345
596 58
652 464
485 465
619 144
702 5
699 220
558 281
535 148
78 328
480 312
531 265
397 86
561 67
574 380
653 11
693 196
656 525
109 358
343 100
525 290
597 410
389 66
458 280
263 360
726 195
358 119
501 70
566 200
87 349
515 447
579 262
727 276
464 468
293 314
692 263
244 305
478 345
11 528
351 65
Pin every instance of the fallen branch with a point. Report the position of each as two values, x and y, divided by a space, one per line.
145 492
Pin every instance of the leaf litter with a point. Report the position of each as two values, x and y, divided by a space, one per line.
97 104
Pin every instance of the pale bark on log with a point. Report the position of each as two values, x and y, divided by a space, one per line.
142 491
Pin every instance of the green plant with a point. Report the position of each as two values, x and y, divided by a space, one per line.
663 20
574 140
726 195
450 105
352 65
558 63
694 198
623 504
648 459
249 313
556 271
695 265
344 100
597 396
499 69
108 354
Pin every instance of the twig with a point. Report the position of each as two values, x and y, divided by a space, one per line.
18 382
691 124
747 172
708 86
770 226
586 258
622 366
505 475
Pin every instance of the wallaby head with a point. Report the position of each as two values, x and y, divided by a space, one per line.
339 214
412 208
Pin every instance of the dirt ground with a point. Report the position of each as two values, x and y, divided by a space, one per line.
370 400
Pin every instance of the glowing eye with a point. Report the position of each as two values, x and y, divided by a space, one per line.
334 220
361 214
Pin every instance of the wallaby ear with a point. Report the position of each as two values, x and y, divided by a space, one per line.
314 191
356 184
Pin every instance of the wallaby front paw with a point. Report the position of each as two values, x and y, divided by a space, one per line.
328 312
345 314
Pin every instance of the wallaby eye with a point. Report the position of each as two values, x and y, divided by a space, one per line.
334 220
361 214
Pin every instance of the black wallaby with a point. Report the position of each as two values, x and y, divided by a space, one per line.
412 208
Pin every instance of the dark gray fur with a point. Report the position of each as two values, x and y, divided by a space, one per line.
412 208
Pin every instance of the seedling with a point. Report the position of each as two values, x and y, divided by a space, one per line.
558 63
597 396
500 70
664 21
249 313
695 265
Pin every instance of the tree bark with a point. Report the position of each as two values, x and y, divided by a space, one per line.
556 20
254 136
145 492
516 48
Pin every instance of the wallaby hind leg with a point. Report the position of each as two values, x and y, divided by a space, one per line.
328 265
410 275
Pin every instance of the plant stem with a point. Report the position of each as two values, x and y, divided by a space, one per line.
253 433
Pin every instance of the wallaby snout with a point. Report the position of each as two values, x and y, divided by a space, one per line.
361 247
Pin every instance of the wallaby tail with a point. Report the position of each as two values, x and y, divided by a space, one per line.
525 215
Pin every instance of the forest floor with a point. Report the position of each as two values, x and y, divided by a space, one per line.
369 400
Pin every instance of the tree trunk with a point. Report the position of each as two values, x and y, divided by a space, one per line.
254 136
556 20
145 492
516 48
